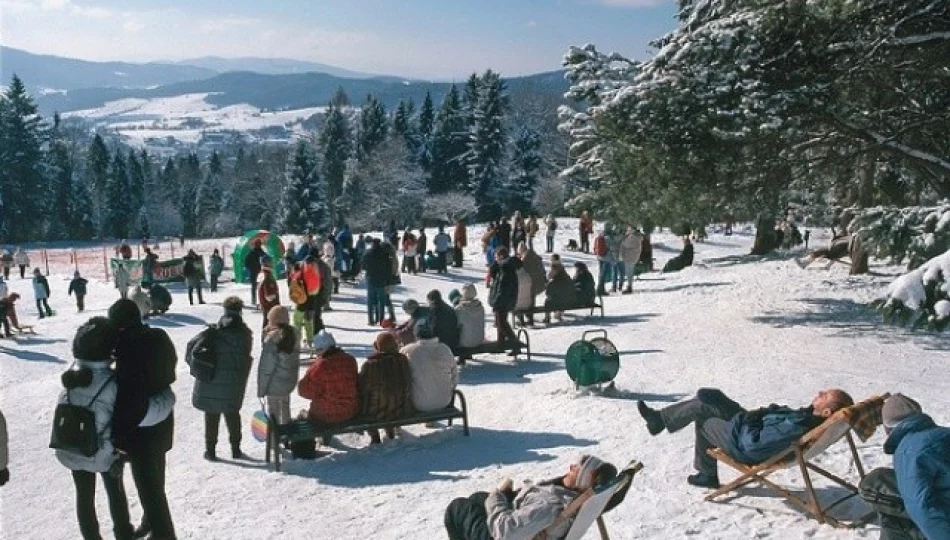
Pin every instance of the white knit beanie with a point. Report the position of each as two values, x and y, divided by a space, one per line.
588 468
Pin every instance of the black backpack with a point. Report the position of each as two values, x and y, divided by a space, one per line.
74 426
200 355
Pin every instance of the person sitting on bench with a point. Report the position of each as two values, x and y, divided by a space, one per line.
913 498
446 322
385 385
584 288
405 332
471 316
528 512
560 292
330 383
749 437
433 367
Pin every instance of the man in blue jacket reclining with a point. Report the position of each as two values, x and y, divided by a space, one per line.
749 437
913 498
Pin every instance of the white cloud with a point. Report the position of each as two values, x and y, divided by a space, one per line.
225 24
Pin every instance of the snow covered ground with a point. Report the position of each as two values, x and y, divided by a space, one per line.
186 117
763 331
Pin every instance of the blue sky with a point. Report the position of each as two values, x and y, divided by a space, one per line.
443 39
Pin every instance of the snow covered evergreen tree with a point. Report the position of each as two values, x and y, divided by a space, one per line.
304 206
208 197
118 213
61 170
449 146
386 186
336 148
189 178
373 127
81 210
136 189
24 188
424 126
524 170
486 147
97 172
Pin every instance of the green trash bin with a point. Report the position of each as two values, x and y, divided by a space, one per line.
594 361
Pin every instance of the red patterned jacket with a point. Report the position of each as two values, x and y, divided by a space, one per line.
330 385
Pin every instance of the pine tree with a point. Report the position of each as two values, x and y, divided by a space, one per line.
208 198
470 98
136 188
82 221
61 170
525 170
401 119
189 176
340 99
97 172
449 143
373 127
119 214
24 186
170 186
486 147
295 200
336 148
426 117
424 125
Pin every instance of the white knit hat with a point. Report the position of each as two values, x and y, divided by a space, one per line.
587 469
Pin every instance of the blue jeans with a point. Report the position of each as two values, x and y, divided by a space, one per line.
604 268
618 275
550 244
375 303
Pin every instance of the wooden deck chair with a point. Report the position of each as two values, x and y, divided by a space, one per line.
591 505
800 454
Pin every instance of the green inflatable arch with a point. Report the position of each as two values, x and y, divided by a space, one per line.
273 246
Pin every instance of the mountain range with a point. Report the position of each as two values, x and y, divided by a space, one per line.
64 84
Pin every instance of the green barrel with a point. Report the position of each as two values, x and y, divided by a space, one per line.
594 361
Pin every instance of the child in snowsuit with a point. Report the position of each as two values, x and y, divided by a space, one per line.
78 286
41 291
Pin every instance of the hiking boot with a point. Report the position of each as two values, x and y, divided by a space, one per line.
654 421
703 480
210 455
142 531
236 452
628 290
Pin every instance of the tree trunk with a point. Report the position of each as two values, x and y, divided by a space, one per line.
764 236
859 257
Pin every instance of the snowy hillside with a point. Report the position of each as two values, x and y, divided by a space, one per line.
763 331
187 118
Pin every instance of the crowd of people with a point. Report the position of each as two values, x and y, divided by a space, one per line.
124 371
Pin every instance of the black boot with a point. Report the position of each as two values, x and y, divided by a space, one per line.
210 454
703 480
236 451
654 421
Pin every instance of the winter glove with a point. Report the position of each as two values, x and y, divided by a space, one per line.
4 476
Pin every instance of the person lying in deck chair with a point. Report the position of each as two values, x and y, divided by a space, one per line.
749 437
506 514
913 498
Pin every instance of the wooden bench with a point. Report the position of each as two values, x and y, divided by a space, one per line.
541 309
523 343
304 430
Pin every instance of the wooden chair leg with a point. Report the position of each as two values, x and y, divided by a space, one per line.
812 497
855 456
602 527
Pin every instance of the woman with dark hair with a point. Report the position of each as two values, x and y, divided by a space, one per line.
279 366
384 385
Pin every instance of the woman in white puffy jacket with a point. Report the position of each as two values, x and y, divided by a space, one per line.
93 386
471 317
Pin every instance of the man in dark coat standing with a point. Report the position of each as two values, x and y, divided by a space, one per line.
252 263
378 275
224 393
145 366
504 294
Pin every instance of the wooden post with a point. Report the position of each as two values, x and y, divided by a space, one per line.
172 244
105 262
46 260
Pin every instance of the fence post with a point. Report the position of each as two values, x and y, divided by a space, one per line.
46 260
172 244
105 262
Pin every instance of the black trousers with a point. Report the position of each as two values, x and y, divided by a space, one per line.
85 483
148 471
709 412
191 290
6 272
213 421
443 257
80 302
504 330
466 519
214 283
22 271
457 257
585 242
879 491
40 304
